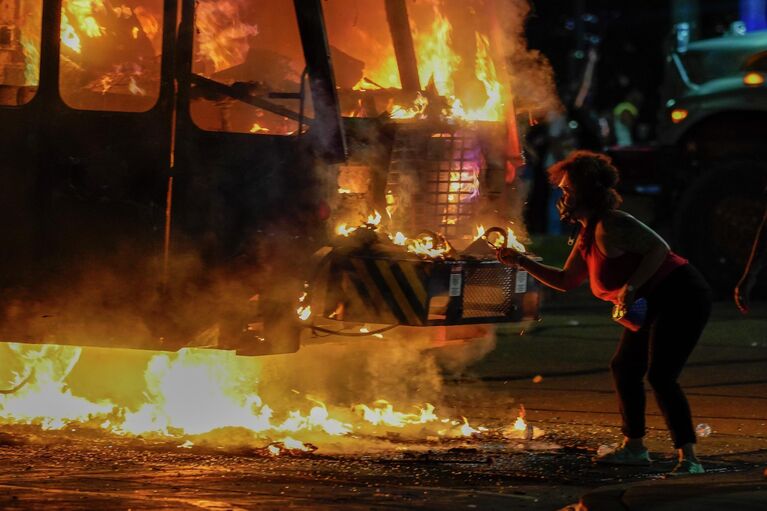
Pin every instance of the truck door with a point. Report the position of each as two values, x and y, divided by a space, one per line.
257 122
88 142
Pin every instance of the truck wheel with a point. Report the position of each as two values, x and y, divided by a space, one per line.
717 218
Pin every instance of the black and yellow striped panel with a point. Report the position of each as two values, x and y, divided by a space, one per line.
382 290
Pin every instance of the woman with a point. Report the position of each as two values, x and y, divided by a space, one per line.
625 260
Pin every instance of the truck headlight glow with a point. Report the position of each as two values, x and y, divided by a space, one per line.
753 79
678 115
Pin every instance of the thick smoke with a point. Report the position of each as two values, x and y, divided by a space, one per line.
530 73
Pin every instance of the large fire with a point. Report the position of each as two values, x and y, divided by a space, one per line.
224 39
85 26
438 66
195 392
192 393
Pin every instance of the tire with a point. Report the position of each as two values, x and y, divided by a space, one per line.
717 218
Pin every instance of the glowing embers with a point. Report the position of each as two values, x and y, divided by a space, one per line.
197 396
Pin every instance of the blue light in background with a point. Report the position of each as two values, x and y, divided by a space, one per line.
754 14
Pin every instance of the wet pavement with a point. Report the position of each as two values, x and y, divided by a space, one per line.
71 473
557 369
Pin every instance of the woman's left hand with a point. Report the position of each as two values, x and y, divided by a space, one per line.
627 295
508 256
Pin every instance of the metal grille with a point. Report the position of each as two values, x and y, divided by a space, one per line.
433 180
488 292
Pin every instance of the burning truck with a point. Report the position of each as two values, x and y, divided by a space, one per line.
251 176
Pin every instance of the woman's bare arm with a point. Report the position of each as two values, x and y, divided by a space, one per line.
562 279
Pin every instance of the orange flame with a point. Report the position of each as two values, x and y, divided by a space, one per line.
385 74
438 64
437 61
178 384
373 220
512 242
221 35
257 128
426 245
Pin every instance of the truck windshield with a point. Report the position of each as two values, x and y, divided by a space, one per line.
253 48
457 50
20 28
110 54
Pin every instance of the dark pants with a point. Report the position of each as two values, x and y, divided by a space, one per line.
678 309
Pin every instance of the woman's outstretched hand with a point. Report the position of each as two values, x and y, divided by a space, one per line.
508 256
626 296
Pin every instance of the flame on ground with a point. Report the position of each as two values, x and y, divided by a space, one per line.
197 392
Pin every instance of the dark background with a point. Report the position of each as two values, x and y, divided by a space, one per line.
629 37
630 40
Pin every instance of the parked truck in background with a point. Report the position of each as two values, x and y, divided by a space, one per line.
708 172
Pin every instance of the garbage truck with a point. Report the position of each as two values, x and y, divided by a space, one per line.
252 176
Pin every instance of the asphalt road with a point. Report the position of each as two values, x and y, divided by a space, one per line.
557 369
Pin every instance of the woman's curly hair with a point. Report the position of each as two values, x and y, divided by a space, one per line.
594 179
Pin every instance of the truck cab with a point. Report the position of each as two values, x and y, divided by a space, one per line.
174 169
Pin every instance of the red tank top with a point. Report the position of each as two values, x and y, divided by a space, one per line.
607 275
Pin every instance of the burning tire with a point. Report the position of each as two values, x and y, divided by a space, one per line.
717 219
